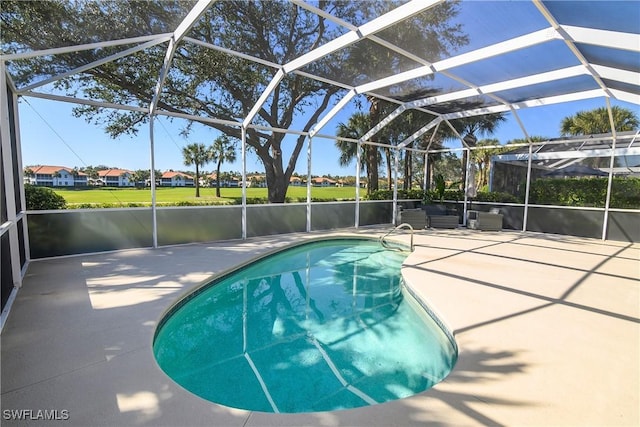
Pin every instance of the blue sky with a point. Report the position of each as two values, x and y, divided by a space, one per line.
52 136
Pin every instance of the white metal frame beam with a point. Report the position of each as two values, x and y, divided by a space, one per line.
181 30
392 17
81 47
605 38
95 64
570 42
366 30
521 42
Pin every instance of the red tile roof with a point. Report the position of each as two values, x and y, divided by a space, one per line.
171 174
50 170
113 172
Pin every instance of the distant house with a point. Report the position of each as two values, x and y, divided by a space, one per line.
322 182
116 178
256 181
56 176
223 182
296 181
176 179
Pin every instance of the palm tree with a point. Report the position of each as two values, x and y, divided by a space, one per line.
597 121
482 157
468 127
222 150
371 151
358 125
198 155
28 172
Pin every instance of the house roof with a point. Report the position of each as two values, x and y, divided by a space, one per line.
321 179
172 174
113 172
50 170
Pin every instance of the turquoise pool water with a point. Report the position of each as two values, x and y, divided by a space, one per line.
318 327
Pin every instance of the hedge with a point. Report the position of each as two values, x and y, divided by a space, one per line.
42 198
586 192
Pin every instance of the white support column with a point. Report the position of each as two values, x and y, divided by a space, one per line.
466 186
605 222
396 155
9 184
176 37
309 147
358 163
243 149
23 201
527 188
426 170
152 176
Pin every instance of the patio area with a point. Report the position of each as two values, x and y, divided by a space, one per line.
548 329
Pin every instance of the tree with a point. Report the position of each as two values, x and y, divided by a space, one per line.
597 121
42 198
356 126
482 158
449 167
202 81
432 35
222 150
470 127
392 134
28 172
198 155
90 171
141 176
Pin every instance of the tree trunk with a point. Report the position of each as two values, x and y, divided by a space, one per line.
387 153
218 178
408 169
470 140
372 150
197 180
276 183
276 186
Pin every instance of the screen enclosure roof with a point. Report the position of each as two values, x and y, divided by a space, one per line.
510 56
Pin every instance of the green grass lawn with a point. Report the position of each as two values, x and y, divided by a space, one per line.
77 197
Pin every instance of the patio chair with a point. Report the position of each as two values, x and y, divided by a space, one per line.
416 218
485 221
437 217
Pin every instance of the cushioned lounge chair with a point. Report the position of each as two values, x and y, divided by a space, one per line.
437 217
416 218
486 221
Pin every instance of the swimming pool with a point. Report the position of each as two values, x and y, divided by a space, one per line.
321 326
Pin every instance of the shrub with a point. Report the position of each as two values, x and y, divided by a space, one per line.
43 198
580 192
402 194
495 196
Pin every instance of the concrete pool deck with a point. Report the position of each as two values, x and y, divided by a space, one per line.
548 329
